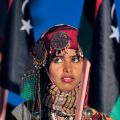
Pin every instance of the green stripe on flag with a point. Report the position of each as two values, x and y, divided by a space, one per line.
115 114
85 36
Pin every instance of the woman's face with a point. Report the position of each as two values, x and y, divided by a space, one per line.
65 71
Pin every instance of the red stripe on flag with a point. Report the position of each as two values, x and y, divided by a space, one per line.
10 4
98 3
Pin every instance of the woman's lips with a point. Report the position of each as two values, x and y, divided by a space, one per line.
67 79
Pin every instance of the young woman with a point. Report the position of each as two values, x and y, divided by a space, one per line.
60 61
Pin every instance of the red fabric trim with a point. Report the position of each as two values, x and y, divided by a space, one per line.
71 33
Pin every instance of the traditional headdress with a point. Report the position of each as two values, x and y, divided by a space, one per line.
55 41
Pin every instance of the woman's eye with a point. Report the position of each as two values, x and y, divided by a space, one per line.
57 60
75 59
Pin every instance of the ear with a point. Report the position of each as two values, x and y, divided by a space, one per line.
52 81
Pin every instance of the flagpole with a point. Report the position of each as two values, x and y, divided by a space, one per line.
4 103
81 97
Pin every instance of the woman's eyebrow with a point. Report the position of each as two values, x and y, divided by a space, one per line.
59 56
74 55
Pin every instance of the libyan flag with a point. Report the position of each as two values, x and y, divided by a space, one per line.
18 38
100 40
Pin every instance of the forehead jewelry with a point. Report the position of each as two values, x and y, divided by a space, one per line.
60 41
39 54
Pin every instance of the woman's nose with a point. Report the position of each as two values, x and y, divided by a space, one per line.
67 67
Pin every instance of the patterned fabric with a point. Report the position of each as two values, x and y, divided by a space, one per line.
60 102
60 105
92 114
88 114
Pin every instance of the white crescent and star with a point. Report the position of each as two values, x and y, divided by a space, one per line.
26 26
24 5
112 11
25 23
115 33
115 30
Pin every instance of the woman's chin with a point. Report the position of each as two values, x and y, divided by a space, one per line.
66 89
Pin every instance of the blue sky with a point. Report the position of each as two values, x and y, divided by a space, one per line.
47 13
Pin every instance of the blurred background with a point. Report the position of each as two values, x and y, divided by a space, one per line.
47 13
